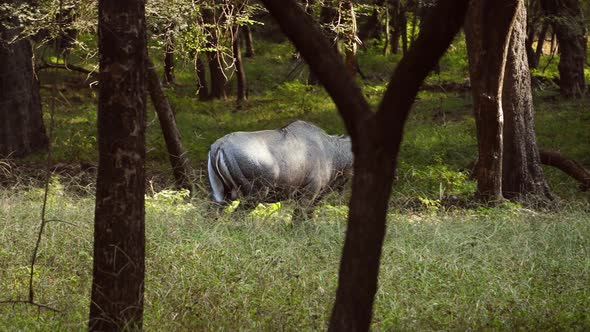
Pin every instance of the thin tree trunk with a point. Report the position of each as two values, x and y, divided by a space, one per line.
540 43
403 28
367 30
202 88
350 38
523 177
569 26
387 43
218 78
242 93
176 153
169 60
531 28
247 34
328 16
119 237
487 28
21 121
397 21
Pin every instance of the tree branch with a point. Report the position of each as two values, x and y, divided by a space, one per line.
329 67
568 166
90 73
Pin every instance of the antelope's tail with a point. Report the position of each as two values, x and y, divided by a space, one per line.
215 181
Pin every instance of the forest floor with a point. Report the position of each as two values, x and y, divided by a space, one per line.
445 266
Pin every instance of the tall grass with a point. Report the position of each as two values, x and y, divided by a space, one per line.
505 268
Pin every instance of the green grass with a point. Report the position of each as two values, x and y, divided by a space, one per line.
443 268
505 268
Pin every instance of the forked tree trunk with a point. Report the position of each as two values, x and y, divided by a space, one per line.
376 139
487 28
119 237
176 153
21 122
523 177
568 22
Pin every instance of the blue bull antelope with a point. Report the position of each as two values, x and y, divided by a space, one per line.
299 161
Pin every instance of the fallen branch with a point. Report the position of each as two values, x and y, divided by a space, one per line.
568 166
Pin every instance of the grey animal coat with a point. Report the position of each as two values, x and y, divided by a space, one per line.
297 161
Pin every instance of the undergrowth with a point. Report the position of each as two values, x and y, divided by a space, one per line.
477 268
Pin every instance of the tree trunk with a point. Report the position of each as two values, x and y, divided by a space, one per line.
531 30
540 43
388 41
247 34
350 37
21 121
376 139
328 16
487 28
169 59
202 88
568 166
176 153
119 238
218 78
523 177
398 25
568 23
402 27
369 28
242 93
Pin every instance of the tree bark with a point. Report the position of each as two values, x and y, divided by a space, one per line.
487 28
242 91
22 130
397 21
568 23
568 166
540 43
350 37
218 78
370 28
176 153
247 34
169 58
523 177
119 238
328 16
202 88
376 138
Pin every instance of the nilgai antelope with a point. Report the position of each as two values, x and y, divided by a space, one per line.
299 161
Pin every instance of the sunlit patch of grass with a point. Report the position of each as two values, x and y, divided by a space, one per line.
499 268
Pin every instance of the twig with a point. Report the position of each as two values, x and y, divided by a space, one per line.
44 306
